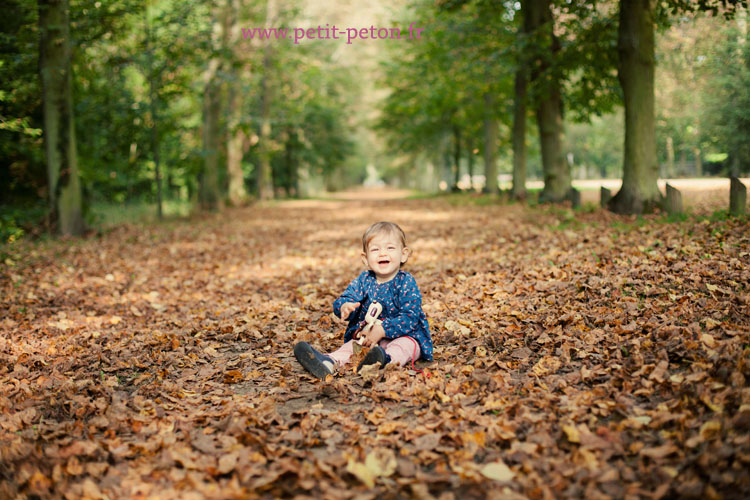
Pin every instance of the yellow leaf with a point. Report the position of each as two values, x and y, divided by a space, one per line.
572 433
710 430
380 462
497 471
361 472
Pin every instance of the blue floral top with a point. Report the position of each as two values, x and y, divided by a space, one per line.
402 308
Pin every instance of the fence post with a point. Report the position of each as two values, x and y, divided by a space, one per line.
574 196
673 203
605 196
737 196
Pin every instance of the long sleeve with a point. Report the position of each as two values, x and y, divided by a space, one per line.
353 293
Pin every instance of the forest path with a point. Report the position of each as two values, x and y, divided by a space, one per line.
591 354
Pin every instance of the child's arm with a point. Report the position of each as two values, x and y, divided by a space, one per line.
354 293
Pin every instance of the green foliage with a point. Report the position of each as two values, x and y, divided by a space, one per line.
22 168
19 221
727 105
437 86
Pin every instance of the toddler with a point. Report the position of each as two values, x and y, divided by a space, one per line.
403 335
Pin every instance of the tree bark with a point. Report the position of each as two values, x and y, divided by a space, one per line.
265 174
490 145
290 158
210 195
519 134
456 156
519 108
470 160
153 104
669 170
235 110
65 198
549 105
639 192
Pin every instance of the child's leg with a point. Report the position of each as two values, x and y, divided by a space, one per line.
401 350
343 353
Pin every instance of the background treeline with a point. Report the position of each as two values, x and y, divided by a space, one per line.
166 103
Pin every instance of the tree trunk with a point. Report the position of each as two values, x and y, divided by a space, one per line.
470 160
209 193
519 134
152 94
490 144
265 174
290 163
669 170
639 192
235 110
457 157
698 162
65 198
549 106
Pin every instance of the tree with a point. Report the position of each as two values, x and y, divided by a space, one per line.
265 173
212 110
65 199
635 44
548 103
236 136
518 189
727 107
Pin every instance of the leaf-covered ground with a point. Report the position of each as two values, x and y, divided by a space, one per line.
593 356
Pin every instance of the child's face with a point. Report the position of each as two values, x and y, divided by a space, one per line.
385 255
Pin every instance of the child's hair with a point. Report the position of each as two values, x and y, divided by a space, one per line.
382 228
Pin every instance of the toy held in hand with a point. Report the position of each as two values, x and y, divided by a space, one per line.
371 318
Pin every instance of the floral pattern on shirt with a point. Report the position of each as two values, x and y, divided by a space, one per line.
402 308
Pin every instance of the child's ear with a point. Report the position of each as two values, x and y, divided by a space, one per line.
405 253
364 260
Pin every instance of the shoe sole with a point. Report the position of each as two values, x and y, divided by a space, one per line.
307 358
372 357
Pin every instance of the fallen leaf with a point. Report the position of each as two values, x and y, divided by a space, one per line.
498 471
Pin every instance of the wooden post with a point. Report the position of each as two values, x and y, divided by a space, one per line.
574 196
605 196
737 196
673 203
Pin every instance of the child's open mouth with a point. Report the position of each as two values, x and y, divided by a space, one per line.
384 262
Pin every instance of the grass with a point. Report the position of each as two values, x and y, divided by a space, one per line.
106 215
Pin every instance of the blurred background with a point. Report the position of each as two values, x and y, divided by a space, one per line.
165 107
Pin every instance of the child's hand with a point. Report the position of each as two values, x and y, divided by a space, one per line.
347 308
372 335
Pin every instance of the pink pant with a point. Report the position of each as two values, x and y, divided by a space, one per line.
401 350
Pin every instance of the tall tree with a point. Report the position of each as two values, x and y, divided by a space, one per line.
490 144
548 101
210 195
65 199
519 108
265 174
235 105
635 70
153 106
635 45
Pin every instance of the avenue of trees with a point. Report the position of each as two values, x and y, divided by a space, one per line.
527 68
166 100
